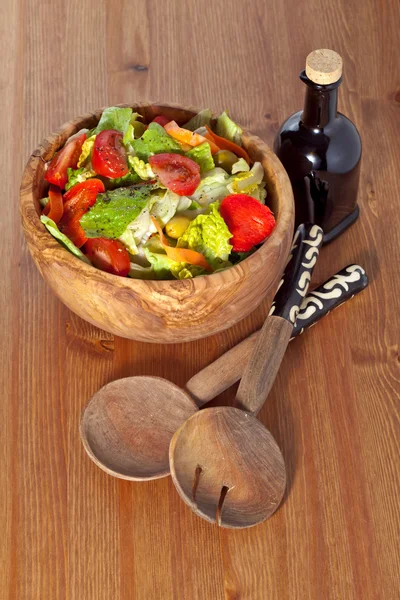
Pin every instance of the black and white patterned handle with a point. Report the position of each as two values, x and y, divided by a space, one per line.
341 287
294 284
265 360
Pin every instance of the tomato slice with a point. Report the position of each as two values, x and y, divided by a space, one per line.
161 120
55 204
179 174
108 255
77 202
65 158
75 232
92 185
80 198
225 144
109 155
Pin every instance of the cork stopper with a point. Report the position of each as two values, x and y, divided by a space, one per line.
324 66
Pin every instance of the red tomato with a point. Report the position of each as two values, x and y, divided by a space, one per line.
249 221
65 158
75 232
161 120
80 198
77 202
179 174
108 255
109 156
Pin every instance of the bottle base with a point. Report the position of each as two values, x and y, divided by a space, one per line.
342 226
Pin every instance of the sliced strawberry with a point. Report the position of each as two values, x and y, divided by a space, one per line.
249 221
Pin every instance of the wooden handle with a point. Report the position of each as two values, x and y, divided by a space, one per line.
264 363
229 368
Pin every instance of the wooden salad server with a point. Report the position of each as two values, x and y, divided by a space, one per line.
224 463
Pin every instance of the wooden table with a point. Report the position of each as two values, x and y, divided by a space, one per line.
68 531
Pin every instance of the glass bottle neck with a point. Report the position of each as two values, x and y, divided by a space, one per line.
320 106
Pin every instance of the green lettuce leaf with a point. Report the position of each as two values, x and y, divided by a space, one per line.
155 140
140 167
77 176
209 234
114 210
127 180
140 228
44 201
240 166
212 187
202 156
65 241
228 129
202 118
114 118
247 182
165 206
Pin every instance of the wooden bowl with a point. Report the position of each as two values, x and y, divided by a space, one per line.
157 311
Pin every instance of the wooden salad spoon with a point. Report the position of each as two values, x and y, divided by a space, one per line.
224 463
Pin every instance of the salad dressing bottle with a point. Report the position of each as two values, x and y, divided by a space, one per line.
320 149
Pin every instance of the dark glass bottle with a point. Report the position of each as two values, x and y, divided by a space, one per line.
321 150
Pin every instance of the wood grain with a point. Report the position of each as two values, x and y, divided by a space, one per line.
69 531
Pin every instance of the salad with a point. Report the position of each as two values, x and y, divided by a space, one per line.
157 200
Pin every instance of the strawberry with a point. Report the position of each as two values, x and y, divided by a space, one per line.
249 221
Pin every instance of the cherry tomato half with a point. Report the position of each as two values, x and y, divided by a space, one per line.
81 197
109 156
179 174
65 158
77 202
108 255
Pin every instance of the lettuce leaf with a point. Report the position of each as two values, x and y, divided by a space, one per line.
202 118
129 134
155 140
228 129
165 206
212 187
65 241
115 210
202 156
142 169
209 234
114 117
127 180
78 175
247 182
240 165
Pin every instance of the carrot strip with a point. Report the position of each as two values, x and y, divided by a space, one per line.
56 205
181 254
225 144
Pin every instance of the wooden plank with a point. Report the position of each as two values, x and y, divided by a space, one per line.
69 530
